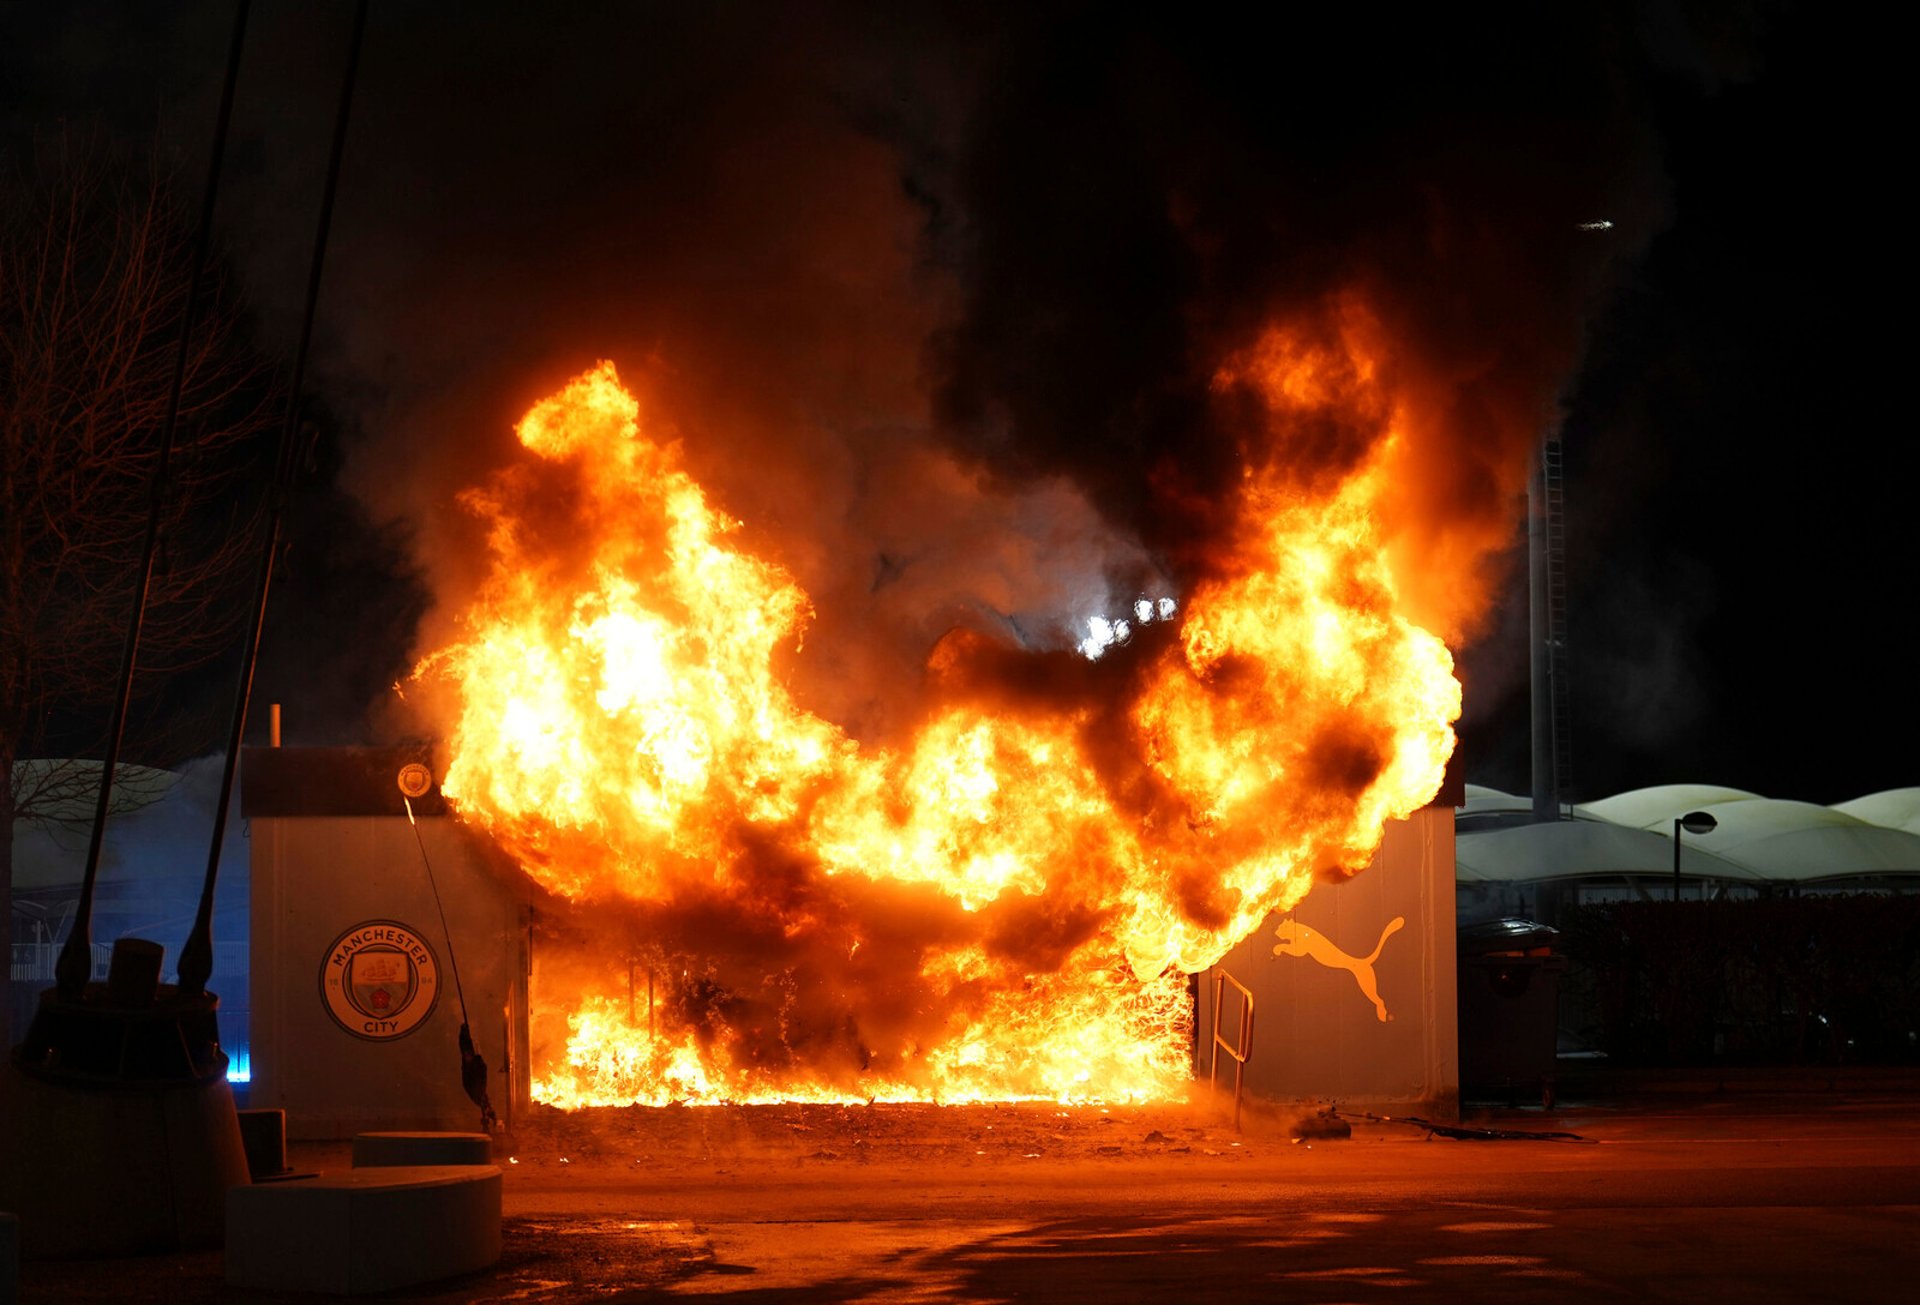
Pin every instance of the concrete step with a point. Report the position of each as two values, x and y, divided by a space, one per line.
371 1150
364 1230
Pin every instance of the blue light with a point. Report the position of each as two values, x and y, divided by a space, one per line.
240 1068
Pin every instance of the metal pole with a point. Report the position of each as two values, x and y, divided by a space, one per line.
196 957
75 965
1546 797
1676 857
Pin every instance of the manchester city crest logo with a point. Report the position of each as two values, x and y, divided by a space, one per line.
380 980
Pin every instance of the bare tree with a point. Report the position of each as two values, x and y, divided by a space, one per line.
93 278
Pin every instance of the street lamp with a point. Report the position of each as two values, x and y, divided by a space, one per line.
1694 822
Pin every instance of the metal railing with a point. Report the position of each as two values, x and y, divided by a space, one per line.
33 962
1240 1050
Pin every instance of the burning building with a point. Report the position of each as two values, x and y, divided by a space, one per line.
1006 904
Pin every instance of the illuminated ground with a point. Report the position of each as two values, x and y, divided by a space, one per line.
1804 1197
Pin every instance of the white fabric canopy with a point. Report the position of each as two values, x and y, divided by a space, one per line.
1582 849
1754 839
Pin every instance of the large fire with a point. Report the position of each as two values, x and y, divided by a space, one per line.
1008 905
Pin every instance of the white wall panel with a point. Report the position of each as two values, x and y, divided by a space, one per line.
317 877
1318 1036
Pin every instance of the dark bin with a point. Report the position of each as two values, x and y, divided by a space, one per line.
1509 986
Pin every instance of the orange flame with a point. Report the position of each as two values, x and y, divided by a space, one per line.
1006 906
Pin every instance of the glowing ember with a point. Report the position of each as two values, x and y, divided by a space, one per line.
1007 906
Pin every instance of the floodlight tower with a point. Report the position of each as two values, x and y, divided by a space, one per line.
1547 631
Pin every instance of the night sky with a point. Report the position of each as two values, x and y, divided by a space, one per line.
840 234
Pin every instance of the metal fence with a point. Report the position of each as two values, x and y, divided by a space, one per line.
33 962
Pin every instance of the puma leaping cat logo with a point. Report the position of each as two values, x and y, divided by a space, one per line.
1297 939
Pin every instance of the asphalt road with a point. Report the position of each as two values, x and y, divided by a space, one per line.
1813 1198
